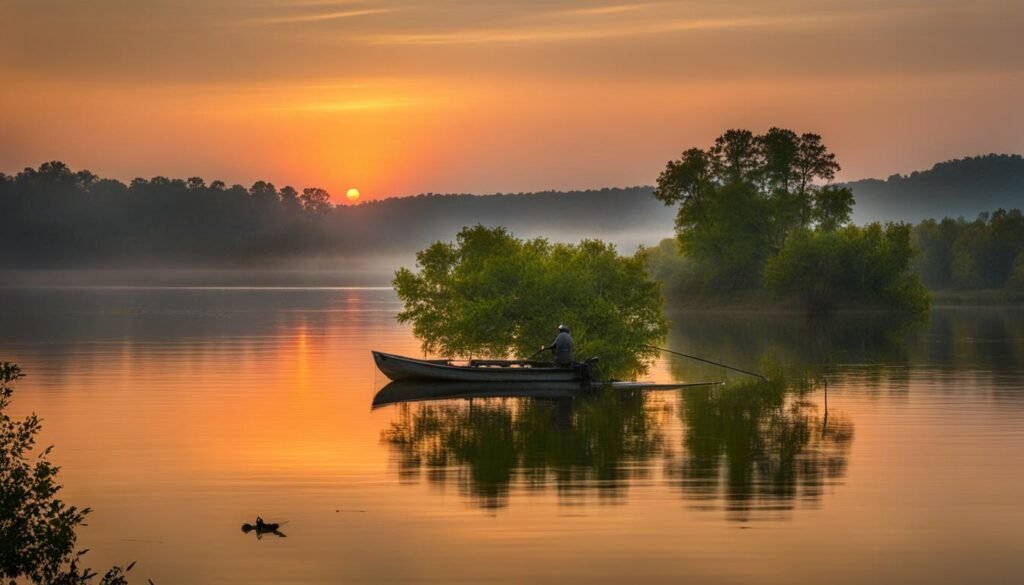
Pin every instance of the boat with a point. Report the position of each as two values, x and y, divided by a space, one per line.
420 391
399 368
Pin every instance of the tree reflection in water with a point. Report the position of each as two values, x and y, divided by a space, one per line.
593 444
757 448
746 448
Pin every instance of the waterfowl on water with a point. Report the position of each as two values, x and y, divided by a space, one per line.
261 527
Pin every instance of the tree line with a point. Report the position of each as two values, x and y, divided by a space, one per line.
739 202
986 253
951 254
56 217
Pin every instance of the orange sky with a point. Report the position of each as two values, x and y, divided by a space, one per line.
404 96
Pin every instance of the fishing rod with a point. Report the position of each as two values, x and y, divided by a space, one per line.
700 359
543 349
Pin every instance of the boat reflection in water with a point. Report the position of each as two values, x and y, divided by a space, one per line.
749 449
420 391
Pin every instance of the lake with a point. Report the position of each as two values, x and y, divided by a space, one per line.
178 414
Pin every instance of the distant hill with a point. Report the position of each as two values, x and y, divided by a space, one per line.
630 216
963 187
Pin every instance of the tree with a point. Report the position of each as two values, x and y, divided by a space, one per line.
290 198
264 192
490 294
970 254
740 199
37 530
934 242
832 207
1016 280
866 266
1005 243
315 200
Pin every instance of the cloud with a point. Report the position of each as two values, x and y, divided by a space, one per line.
317 17
352 105
601 10
569 32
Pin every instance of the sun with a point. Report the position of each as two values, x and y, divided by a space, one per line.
352 194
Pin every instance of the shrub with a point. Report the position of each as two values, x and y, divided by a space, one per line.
863 265
490 294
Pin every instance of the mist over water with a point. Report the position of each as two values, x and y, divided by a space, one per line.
327 273
179 414
359 268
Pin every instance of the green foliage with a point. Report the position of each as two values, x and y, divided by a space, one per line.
678 274
37 530
1016 280
731 241
860 265
491 294
934 242
833 207
980 254
740 199
752 213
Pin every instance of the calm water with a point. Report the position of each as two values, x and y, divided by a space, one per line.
179 414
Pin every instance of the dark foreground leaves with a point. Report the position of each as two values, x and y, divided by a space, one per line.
37 530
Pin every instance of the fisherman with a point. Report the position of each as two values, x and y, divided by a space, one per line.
562 348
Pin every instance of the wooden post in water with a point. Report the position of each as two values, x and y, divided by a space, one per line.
824 424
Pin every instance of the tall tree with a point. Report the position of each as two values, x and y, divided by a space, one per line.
315 200
739 199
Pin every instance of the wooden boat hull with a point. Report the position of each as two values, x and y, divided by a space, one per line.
398 368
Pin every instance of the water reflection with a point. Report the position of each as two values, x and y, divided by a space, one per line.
587 444
758 448
262 529
878 342
936 412
753 447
